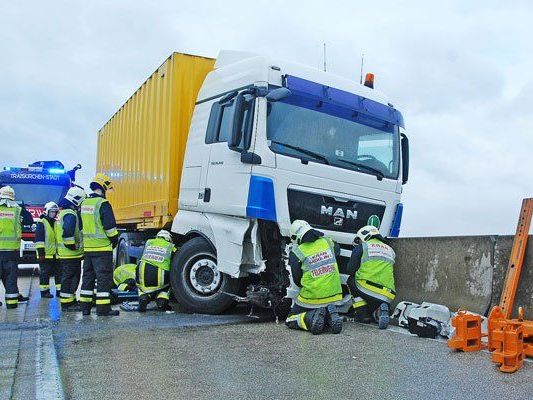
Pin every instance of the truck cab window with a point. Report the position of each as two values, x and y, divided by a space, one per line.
309 133
219 125
220 121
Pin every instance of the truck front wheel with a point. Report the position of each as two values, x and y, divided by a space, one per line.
196 282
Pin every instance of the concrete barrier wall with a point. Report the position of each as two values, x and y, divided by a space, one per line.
465 272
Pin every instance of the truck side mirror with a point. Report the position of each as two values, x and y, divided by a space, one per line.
405 158
237 122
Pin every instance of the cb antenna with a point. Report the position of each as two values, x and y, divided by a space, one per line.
324 56
361 75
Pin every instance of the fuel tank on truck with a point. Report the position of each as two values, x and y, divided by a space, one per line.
142 146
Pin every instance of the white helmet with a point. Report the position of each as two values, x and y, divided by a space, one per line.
7 192
366 233
298 229
75 195
50 207
165 235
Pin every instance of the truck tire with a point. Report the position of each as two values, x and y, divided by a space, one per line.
122 254
196 283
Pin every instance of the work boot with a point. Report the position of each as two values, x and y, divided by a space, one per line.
22 299
143 303
85 308
109 313
45 294
74 307
360 314
316 320
334 320
162 305
383 316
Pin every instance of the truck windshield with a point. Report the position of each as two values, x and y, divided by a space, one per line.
317 136
37 195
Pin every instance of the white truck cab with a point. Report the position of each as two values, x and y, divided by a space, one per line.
271 142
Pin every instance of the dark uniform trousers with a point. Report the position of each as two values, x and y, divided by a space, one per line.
9 275
70 279
97 266
364 310
47 269
300 317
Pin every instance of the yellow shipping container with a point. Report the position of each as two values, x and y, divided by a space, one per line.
142 146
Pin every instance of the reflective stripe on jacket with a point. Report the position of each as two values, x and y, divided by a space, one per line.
48 242
124 273
375 276
76 239
321 283
95 237
10 228
158 252
150 278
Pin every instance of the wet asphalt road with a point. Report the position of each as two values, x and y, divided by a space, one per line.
183 356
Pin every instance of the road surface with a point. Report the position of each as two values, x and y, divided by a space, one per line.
46 355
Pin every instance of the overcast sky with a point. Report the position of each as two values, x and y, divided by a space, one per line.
462 75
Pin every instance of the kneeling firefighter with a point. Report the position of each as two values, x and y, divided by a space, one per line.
152 275
314 269
371 280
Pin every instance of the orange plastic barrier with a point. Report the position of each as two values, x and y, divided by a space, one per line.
467 332
510 351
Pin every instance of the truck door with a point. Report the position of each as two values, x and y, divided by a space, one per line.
228 178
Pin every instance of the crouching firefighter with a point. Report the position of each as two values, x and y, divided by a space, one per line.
124 277
371 280
314 269
152 275
68 231
45 245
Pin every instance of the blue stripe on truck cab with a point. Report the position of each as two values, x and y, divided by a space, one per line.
261 202
396 221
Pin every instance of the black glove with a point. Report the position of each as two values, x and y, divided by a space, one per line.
40 254
131 285
71 247
114 241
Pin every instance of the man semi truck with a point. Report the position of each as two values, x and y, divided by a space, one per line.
36 185
228 152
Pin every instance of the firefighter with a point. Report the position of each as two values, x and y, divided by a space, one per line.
45 245
314 269
100 236
68 231
124 277
12 217
153 271
371 278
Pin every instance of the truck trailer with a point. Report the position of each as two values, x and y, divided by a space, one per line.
226 153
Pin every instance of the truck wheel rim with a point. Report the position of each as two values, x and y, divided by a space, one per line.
205 277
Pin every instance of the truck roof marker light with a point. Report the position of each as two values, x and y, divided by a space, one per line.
369 80
56 171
